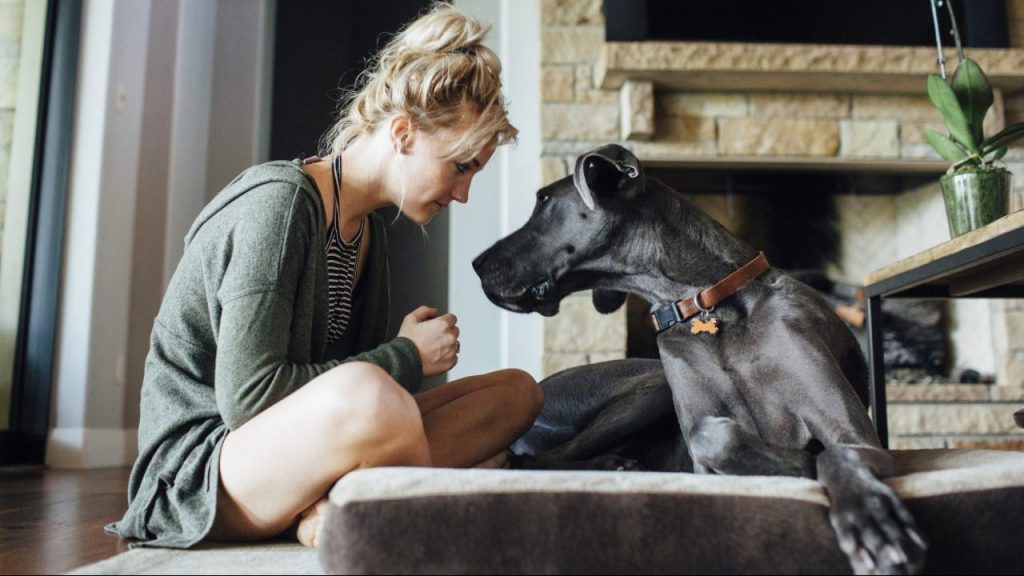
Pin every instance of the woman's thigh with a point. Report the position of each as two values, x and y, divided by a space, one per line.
469 420
286 458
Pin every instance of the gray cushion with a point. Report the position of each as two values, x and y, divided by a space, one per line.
968 503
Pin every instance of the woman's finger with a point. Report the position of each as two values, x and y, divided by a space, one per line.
423 313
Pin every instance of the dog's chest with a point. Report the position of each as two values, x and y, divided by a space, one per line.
723 375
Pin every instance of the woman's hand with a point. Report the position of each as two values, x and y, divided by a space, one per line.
436 338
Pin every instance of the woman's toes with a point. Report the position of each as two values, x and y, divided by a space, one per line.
310 522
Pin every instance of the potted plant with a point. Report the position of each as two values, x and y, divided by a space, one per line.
976 191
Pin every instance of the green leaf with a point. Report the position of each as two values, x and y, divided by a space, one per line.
1006 137
944 146
943 97
974 94
999 154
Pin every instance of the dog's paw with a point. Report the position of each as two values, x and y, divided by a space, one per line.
876 532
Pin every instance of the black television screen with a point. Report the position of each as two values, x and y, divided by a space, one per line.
982 23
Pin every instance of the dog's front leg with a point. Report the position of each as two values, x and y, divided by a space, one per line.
719 444
873 527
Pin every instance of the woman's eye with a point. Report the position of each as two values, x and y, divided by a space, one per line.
461 168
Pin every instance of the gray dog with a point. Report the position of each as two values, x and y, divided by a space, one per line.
764 378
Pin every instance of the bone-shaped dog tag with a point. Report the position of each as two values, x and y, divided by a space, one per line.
709 325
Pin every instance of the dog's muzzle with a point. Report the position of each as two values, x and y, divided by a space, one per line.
542 298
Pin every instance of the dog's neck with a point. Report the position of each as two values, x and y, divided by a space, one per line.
694 252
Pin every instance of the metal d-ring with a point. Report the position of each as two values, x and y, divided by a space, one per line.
704 312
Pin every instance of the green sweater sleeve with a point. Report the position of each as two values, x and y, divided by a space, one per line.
399 358
252 367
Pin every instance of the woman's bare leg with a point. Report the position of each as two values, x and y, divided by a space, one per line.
278 467
472 421
285 459
469 423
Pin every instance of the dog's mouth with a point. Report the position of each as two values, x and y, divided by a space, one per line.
540 297
544 295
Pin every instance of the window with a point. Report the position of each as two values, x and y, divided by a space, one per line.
38 59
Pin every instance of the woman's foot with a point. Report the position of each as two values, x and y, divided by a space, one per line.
307 530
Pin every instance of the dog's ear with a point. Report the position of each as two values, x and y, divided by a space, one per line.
608 301
610 169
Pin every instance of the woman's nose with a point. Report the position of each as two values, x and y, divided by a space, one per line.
460 194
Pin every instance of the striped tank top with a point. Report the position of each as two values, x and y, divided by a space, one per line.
341 262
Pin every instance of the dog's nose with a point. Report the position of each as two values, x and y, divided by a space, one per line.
478 262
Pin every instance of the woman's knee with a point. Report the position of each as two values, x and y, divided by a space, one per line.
523 392
359 402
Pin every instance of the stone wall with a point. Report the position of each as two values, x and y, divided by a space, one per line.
693 125
954 416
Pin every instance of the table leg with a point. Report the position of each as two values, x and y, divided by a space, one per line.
876 369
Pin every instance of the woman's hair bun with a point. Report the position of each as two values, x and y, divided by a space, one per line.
442 30
431 71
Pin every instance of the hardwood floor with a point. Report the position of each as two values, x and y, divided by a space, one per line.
51 521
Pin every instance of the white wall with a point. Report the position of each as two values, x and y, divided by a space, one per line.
123 110
94 303
501 200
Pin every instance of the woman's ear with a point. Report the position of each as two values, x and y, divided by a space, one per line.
401 132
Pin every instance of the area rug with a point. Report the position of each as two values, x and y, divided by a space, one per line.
277 557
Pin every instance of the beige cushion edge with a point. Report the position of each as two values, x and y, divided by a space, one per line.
929 473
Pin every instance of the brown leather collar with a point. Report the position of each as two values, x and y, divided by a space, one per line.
672 314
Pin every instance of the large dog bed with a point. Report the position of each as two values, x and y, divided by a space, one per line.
968 503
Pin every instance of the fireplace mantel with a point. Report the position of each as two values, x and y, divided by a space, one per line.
923 166
793 67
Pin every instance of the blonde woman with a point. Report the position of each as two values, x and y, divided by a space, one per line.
268 376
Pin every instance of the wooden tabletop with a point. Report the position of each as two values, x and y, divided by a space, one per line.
960 243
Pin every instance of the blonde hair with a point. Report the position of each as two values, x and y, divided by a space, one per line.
433 70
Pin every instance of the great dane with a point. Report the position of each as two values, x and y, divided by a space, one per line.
763 377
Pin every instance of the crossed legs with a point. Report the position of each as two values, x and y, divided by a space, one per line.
281 463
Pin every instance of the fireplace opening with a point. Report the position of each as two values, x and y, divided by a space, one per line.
866 22
803 221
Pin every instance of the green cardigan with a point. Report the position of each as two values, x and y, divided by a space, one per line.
242 325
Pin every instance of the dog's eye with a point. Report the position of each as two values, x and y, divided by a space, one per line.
543 198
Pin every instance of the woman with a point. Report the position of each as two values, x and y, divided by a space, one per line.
268 377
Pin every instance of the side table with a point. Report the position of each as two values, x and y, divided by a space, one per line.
984 263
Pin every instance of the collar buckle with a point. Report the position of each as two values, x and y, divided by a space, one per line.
666 317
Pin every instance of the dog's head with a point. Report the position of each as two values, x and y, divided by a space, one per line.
575 239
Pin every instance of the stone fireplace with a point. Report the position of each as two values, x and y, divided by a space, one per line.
857 113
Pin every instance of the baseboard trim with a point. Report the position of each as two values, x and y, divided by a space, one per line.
81 448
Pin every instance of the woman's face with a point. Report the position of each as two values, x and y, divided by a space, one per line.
430 181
